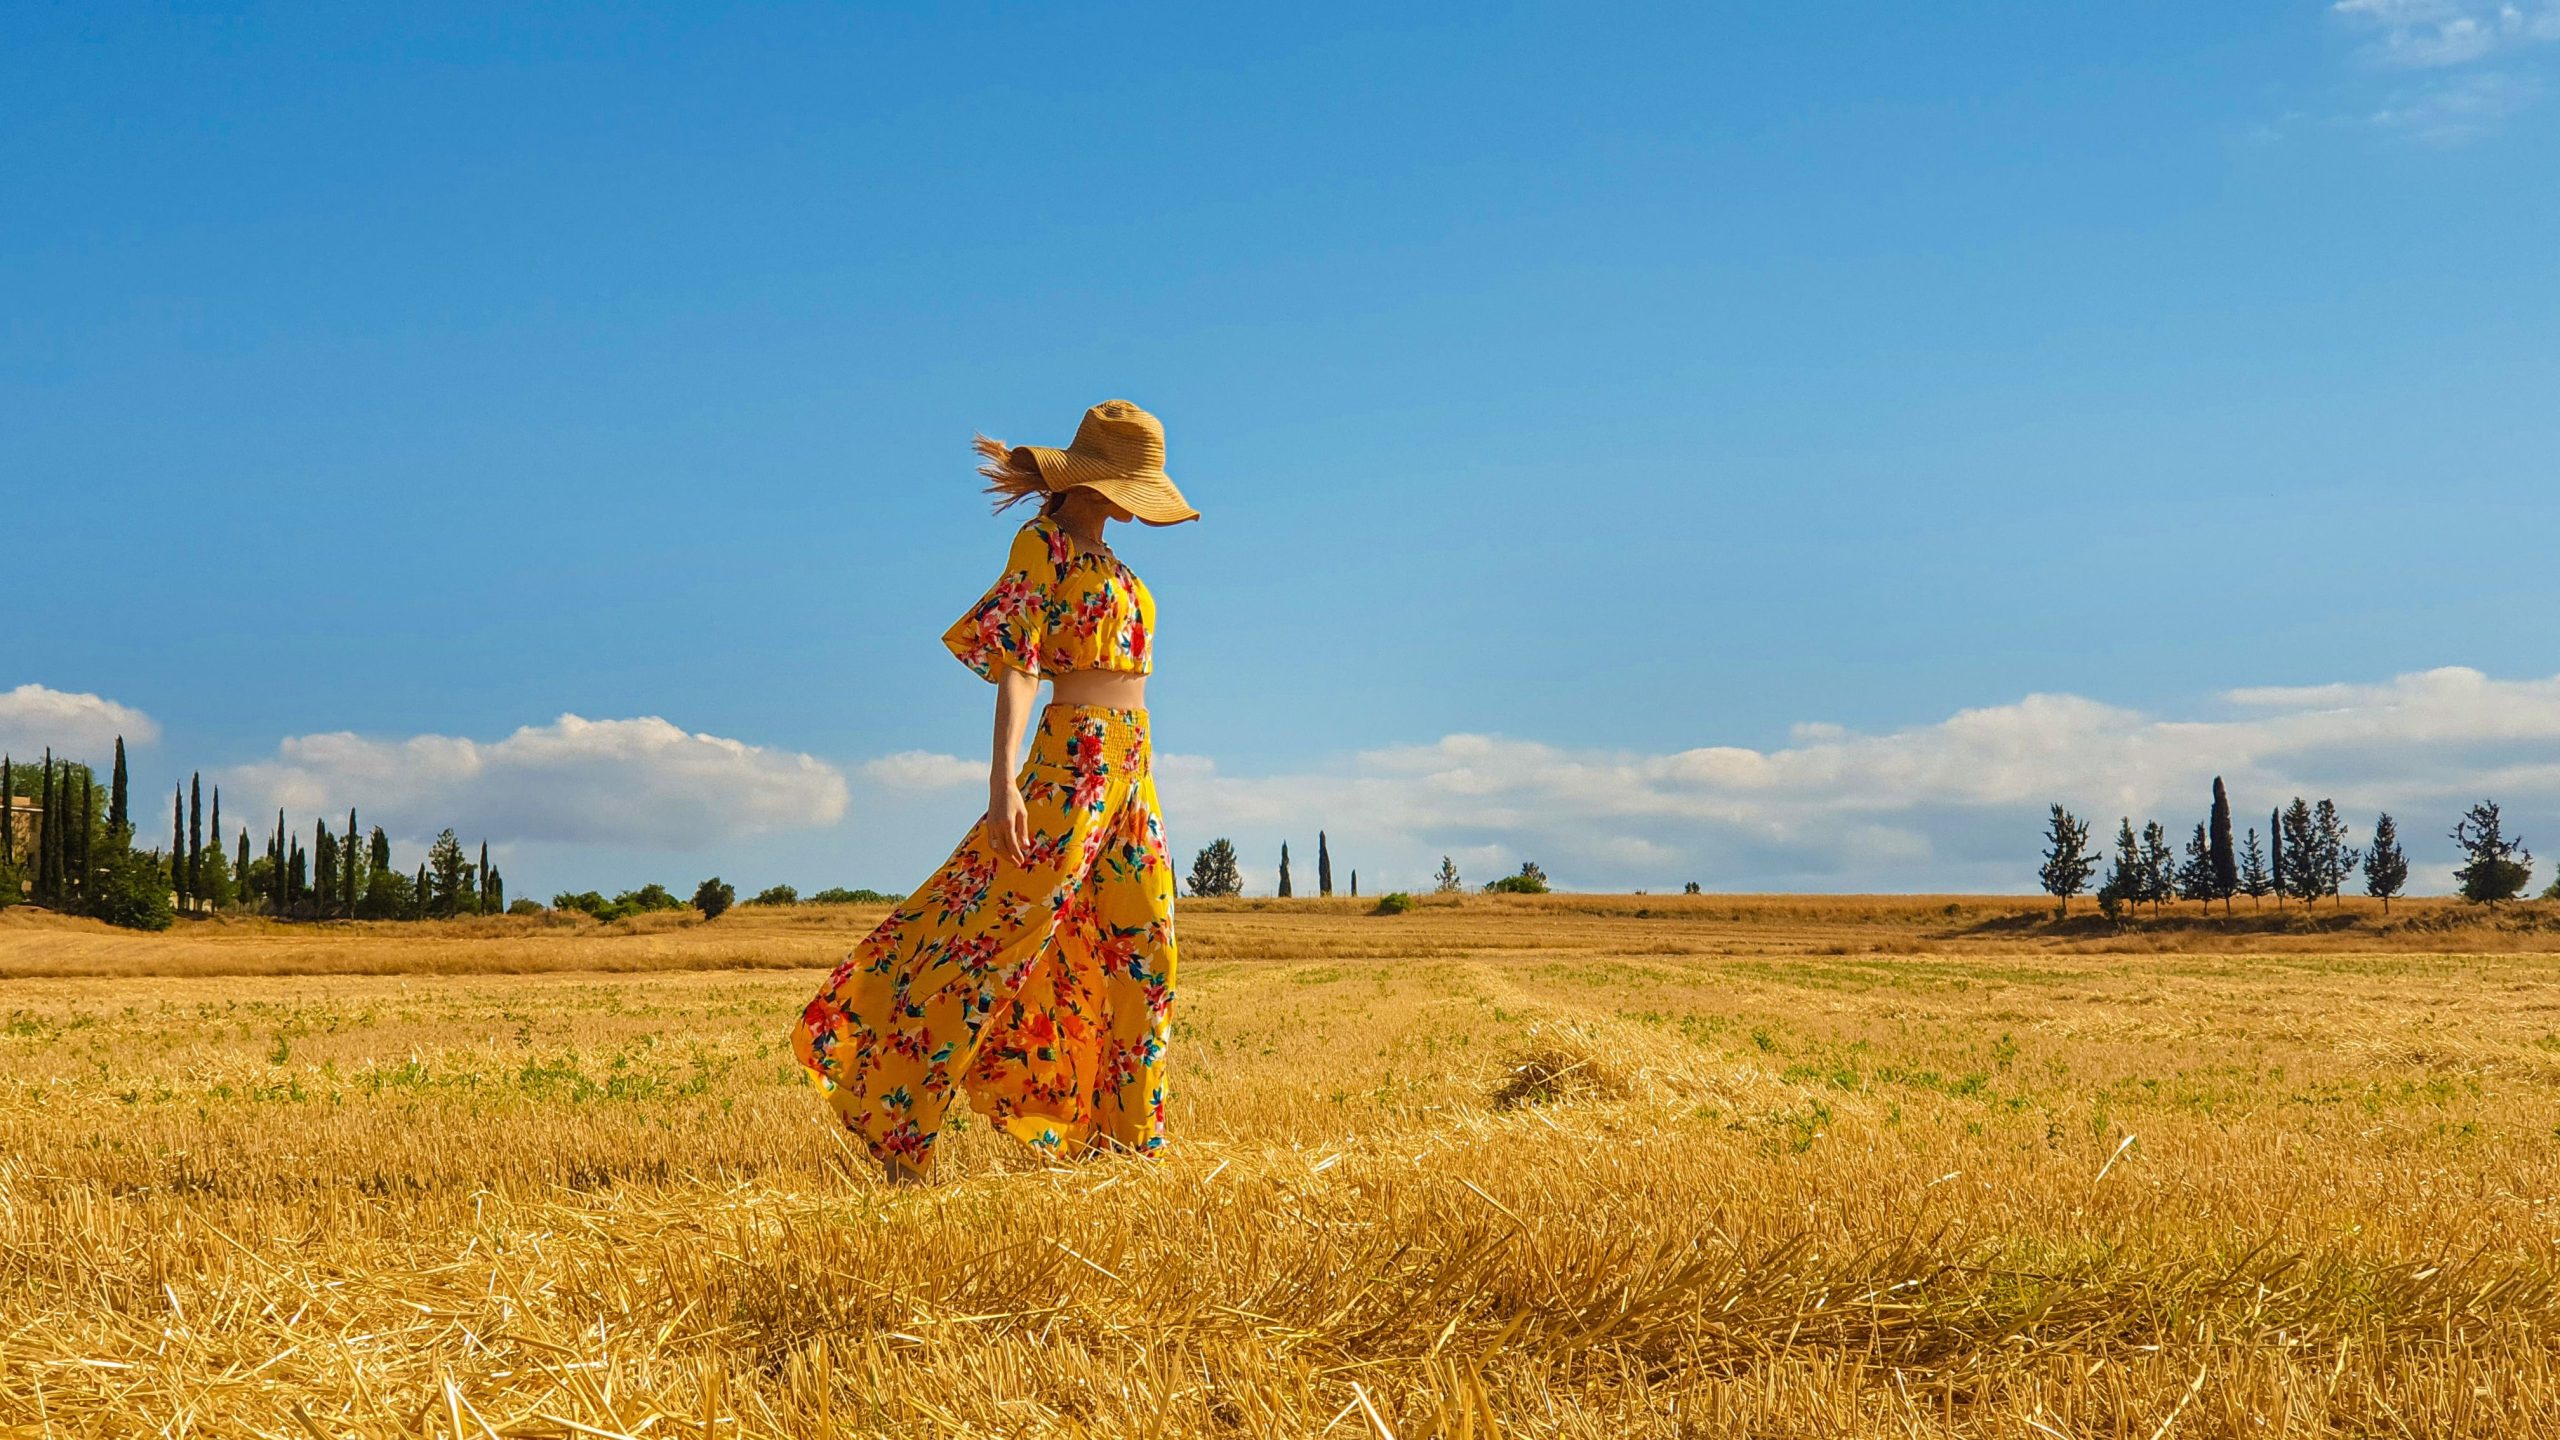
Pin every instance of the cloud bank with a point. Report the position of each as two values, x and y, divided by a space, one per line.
77 726
640 783
1953 805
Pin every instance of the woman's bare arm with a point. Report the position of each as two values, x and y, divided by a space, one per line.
1008 823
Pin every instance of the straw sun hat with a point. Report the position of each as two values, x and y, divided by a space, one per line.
1118 451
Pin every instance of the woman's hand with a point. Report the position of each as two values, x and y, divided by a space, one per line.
1008 823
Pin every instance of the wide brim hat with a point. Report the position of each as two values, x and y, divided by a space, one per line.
1118 451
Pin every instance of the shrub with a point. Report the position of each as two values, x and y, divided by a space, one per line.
775 895
1394 902
838 895
1689 889
131 892
1530 881
713 897
524 905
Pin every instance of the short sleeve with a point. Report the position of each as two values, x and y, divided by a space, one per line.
1007 627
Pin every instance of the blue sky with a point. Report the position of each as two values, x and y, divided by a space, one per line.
1569 390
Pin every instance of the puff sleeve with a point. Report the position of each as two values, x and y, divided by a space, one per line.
1010 624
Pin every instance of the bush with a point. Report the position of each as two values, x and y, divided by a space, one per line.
524 906
1530 881
1394 902
713 897
775 895
838 895
131 892
1689 889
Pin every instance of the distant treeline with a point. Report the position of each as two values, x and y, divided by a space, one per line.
2306 857
69 844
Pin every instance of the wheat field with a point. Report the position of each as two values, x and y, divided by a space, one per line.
1567 1166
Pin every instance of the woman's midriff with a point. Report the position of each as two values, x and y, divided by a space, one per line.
1109 688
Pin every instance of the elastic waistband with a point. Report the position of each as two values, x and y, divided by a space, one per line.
1092 739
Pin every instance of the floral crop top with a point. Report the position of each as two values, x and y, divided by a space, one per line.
1057 607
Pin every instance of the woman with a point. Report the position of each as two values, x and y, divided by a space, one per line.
1036 967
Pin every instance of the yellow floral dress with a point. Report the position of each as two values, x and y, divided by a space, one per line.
1044 987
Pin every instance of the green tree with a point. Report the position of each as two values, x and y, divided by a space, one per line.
388 895
2338 859
422 895
2276 867
2226 862
131 891
2124 883
1447 881
1324 867
45 827
381 849
1532 880
1284 869
484 876
2159 865
775 895
213 827
324 868
2067 861
2255 882
178 848
2305 877
241 889
9 823
2386 866
195 838
1214 870
2195 878
351 865
119 807
448 871
2493 867
713 897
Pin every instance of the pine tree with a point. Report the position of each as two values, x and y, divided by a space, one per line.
2254 880
119 813
1284 869
195 837
2386 867
452 873
2338 859
1214 870
1447 881
2067 861
1324 867
2159 865
2279 868
2124 883
2305 874
2226 864
2494 868
2195 878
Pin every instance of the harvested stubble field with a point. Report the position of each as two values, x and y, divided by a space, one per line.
1589 1166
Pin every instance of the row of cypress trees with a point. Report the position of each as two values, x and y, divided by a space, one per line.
2306 857
85 863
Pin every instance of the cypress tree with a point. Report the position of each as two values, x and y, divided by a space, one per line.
418 896
1324 866
8 814
347 882
277 880
481 900
240 876
213 827
119 812
381 849
178 846
2275 855
44 833
195 836
88 835
324 866
2226 861
1355 884
1284 869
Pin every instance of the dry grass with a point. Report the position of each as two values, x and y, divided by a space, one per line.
1655 1166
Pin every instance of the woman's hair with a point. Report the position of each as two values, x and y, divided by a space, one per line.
1009 482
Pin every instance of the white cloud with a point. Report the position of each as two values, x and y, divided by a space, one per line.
642 783
924 770
1954 804
77 726
2478 52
